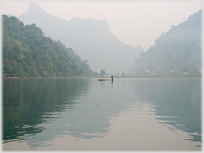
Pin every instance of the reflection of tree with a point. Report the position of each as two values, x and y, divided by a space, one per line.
80 115
177 102
26 102
30 104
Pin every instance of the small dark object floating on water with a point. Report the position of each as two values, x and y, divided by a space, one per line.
106 79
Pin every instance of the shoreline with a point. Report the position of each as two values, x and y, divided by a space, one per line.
103 77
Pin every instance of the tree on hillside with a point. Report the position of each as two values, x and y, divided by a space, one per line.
175 53
28 53
103 72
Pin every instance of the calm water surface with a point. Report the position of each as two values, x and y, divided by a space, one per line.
85 114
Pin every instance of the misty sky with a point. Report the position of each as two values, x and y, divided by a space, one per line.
133 22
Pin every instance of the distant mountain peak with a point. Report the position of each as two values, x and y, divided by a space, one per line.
90 38
34 7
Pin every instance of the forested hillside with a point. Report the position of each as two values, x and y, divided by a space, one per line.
175 53
28 53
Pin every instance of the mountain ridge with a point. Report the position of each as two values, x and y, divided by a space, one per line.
91 39
28 53
175 53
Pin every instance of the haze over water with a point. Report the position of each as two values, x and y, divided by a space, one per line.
85 114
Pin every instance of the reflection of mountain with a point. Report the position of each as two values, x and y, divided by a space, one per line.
91 115
38 110
30 102
177 102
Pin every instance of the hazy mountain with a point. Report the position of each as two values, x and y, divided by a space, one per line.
27 53
90 38
175 53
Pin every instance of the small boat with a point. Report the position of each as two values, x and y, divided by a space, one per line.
104 79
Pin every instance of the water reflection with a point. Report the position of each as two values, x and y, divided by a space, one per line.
177 102
38 111
27 103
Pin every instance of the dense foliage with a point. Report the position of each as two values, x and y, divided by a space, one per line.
28 53
175 53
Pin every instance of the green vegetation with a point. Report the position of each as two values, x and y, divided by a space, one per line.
90 38
28 53
175 53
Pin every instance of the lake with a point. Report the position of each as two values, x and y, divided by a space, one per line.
135 114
